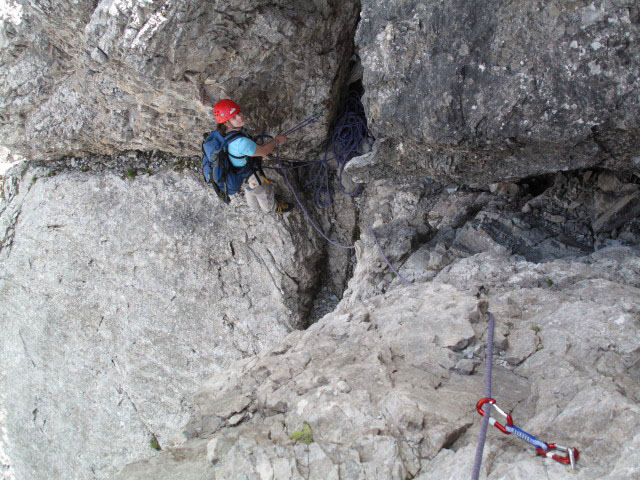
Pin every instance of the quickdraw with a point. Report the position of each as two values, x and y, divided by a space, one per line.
549 450
571 454
492 420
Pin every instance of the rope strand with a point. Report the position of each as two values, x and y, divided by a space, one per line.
347 139
304 210
404 280
487 393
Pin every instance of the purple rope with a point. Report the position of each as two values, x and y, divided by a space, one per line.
346 142
332 242
404 280
487 393
296 164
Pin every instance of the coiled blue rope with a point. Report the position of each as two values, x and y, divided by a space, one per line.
346 142
348 138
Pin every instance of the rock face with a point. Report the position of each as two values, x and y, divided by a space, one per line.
387 386
483 91
504 177
115 75
421 228
120 296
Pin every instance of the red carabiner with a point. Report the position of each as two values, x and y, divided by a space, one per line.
492 420
571 453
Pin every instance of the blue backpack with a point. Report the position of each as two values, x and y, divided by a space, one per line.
225 178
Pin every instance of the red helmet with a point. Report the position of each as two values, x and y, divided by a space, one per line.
224 109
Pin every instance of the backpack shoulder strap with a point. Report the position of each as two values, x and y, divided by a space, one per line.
254 165
232 136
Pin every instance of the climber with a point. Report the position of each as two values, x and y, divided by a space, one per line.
259 192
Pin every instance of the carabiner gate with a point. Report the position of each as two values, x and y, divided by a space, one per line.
492 420
571 454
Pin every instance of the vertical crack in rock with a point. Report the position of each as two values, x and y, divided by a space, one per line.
9 234
267 267
14 194
140 418
26 349
38 424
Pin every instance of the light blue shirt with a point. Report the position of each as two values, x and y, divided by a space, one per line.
241 147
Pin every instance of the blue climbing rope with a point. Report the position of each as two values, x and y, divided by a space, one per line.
346 142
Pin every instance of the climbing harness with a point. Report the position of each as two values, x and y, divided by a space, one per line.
571 454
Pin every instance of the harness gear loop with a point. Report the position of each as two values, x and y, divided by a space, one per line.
492 420
571 454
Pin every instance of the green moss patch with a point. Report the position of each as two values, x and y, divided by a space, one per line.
303 435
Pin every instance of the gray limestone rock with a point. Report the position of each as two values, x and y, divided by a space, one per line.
422 228
107 76
362 381
148 329
409 409
487 91
119 297
625 209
